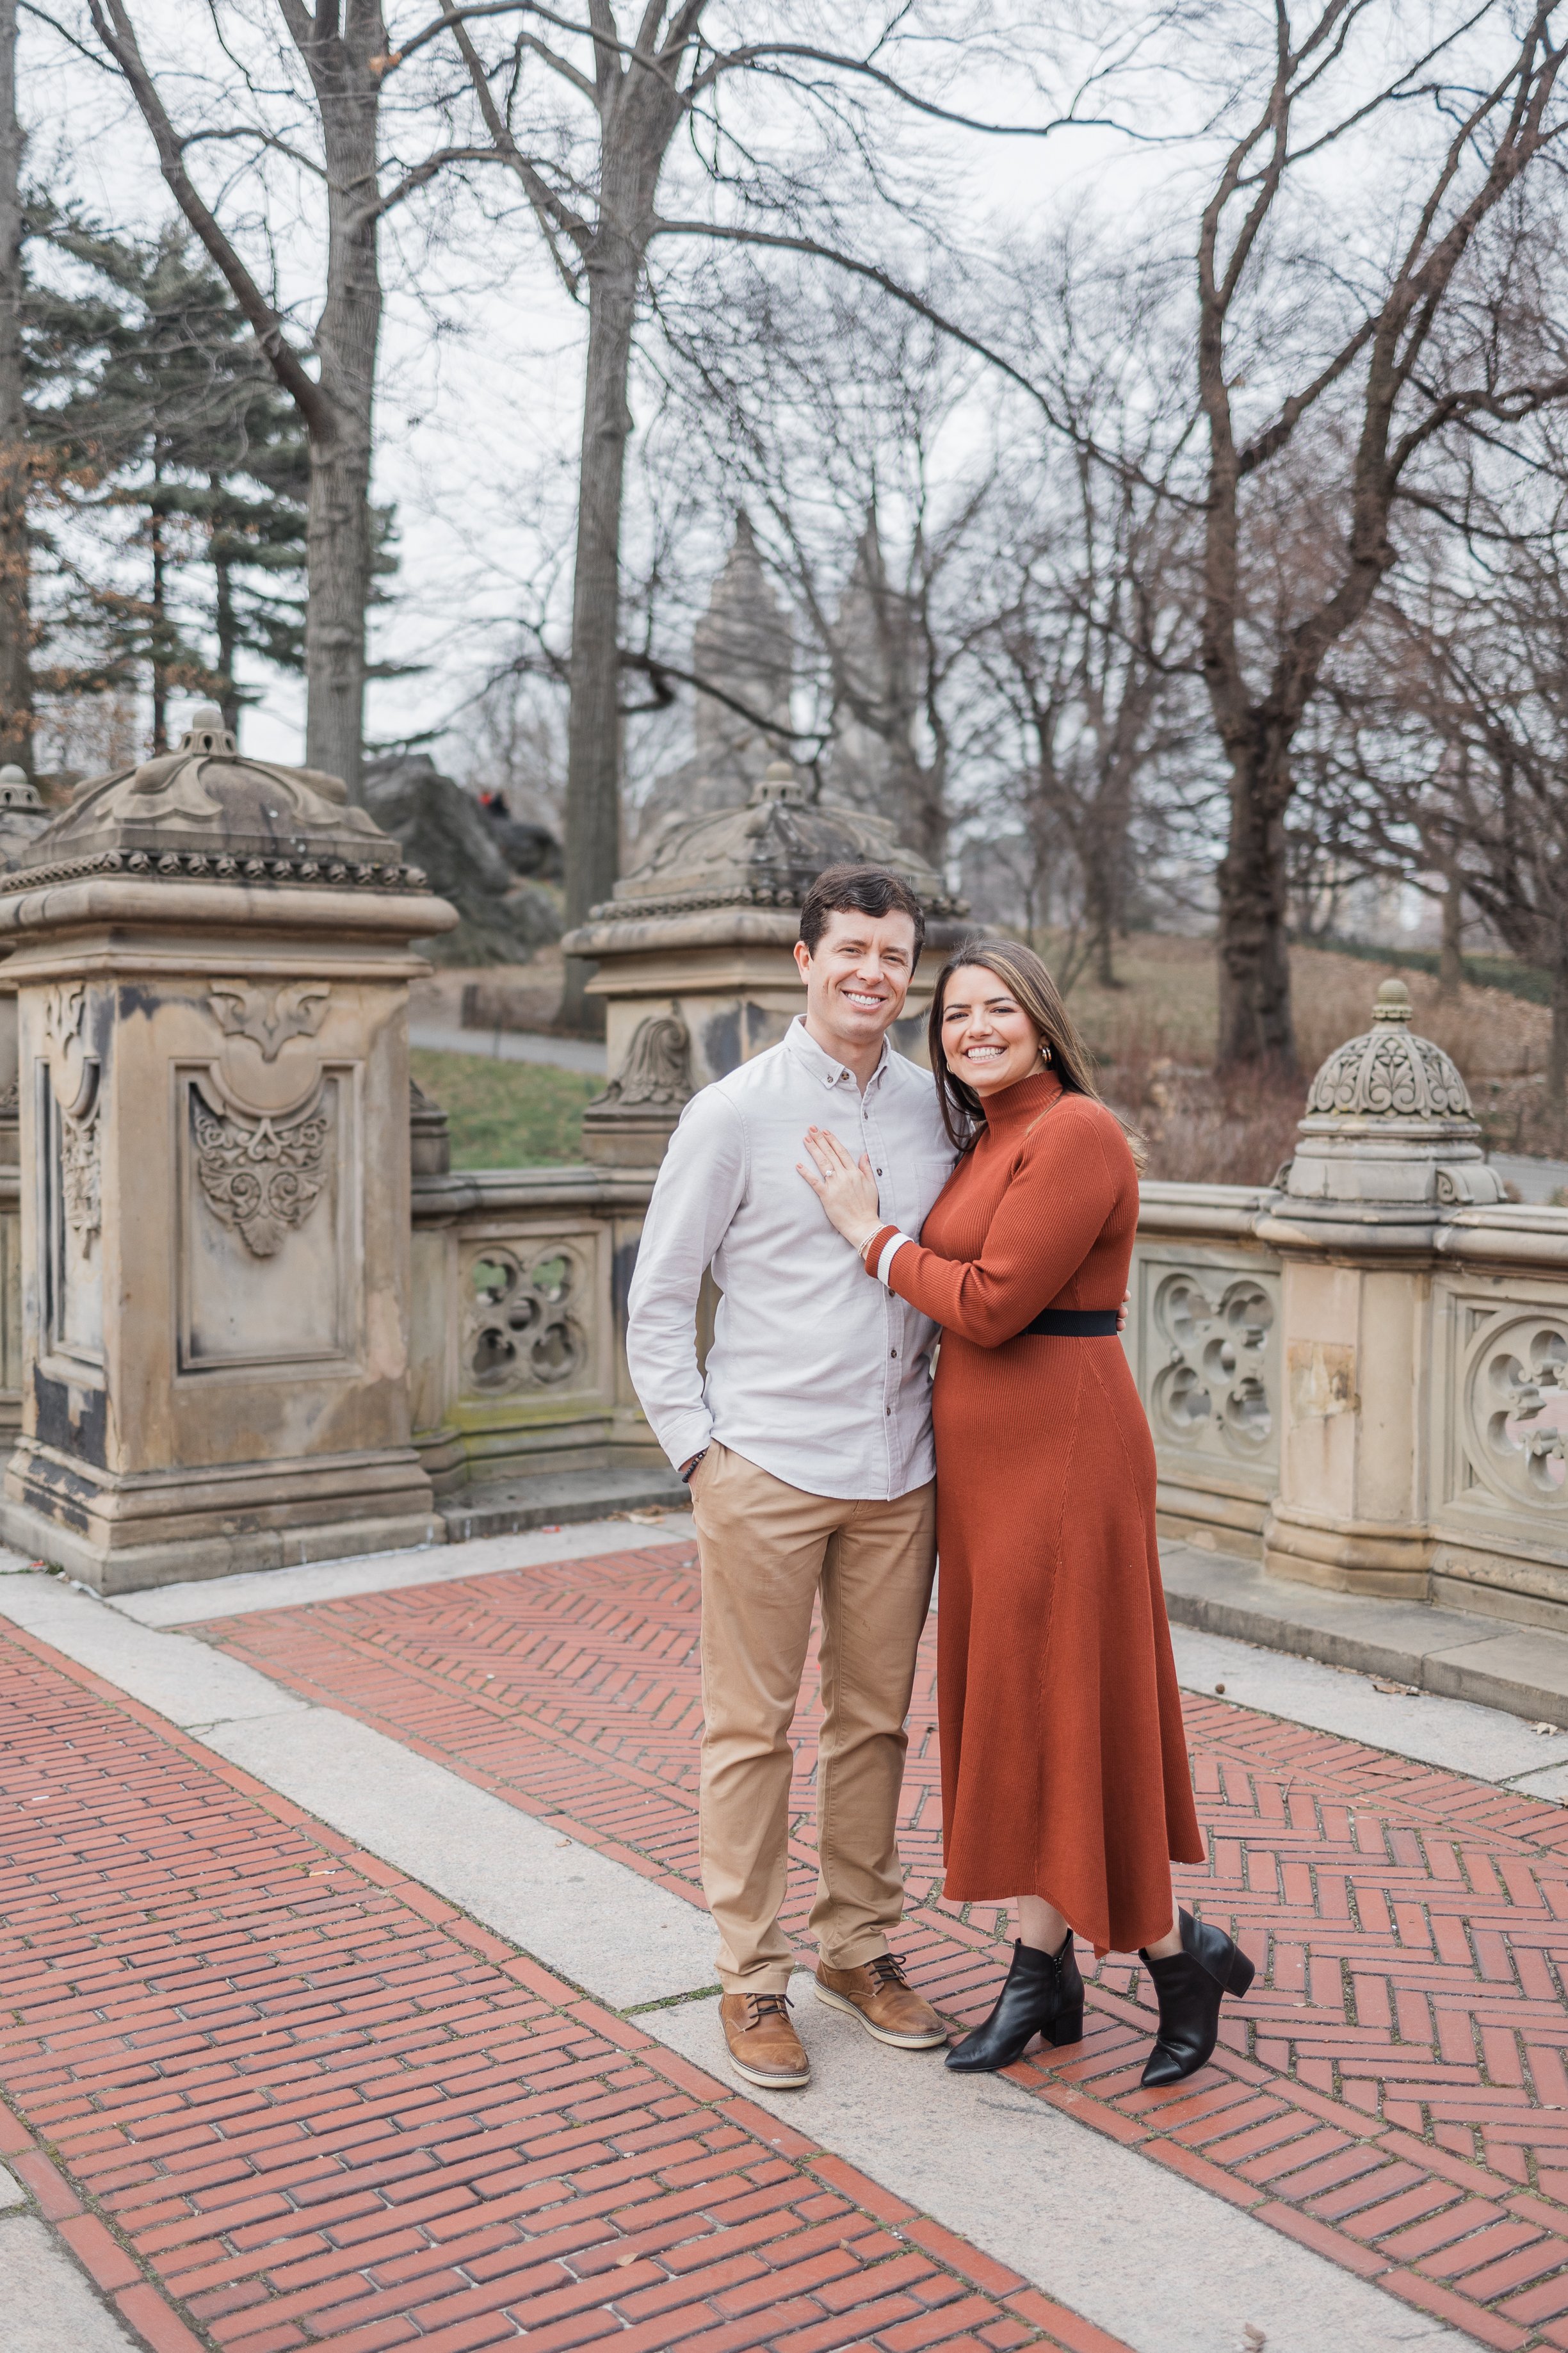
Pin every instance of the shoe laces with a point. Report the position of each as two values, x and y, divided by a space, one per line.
887 1969
766 2005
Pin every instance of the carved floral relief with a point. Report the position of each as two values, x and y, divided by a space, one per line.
79 1185
259 1179
262 1131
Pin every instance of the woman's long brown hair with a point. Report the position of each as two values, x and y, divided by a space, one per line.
1024 975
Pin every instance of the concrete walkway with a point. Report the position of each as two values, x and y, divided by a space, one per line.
1497 1663
360 1994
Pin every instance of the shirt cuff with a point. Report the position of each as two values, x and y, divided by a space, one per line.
687 1435
887 1253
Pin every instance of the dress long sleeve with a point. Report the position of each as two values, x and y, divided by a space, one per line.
1072 1170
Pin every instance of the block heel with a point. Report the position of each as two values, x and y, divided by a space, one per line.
1190 1986
1043 1995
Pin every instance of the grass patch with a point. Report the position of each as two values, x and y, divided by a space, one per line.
506 1114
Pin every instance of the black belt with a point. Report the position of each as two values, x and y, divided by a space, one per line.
1072 1323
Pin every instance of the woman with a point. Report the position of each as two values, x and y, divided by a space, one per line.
1064 1764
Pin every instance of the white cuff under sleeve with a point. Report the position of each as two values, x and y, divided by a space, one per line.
890 1252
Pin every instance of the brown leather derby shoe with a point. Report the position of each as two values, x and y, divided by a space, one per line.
886 2004
764 2046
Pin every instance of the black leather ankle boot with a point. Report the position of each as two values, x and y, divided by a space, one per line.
1043 1995
1191 1986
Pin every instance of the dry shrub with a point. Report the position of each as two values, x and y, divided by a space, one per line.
1488 1033
1202 1128
1205 1129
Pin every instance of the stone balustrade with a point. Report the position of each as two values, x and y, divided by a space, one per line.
518 1328
1437 1379
249 1316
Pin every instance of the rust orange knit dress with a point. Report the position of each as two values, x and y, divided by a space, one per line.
1063 1763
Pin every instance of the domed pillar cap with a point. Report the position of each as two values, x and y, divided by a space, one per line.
1388 1121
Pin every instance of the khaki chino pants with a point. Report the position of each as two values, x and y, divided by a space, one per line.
766 1550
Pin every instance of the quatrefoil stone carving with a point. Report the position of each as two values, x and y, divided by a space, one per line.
521 1330
1215 1337
1517 1406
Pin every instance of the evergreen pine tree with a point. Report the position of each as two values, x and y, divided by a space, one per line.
149 399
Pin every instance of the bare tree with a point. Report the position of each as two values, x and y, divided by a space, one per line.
16 616
590 169
341 44
1464 745
1092 650
1376 393
844 424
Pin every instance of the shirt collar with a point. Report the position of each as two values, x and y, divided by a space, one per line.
798 1038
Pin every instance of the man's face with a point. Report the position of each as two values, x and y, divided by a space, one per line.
858 975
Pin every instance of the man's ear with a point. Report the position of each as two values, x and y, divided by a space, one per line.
802 958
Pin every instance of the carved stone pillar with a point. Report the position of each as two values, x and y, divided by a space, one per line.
1388 1152
695 952
211 958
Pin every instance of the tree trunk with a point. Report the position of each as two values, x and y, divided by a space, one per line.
1254 940
227 633
160 629
337 526
593 737
1099 917
1451 961
16 616
1557 1049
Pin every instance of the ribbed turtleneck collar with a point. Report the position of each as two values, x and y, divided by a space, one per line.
1014 1107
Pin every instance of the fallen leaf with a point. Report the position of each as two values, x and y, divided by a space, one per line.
1543 1727
1220 1688
1255 2339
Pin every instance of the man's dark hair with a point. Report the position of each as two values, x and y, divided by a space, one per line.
862 890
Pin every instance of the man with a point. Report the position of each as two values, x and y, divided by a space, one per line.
808 1452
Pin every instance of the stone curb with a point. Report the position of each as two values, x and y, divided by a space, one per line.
1522 1669
557 1499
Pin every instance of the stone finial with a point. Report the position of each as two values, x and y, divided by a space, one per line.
1389 1072
1388 1121
780 782
17 790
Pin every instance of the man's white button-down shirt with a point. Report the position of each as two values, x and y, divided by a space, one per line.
816 1373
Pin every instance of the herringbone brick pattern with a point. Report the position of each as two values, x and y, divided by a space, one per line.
1394 2091
276 2097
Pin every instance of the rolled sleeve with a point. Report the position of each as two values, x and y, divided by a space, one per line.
699 1188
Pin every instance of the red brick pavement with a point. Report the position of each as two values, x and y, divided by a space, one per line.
1394 2091
274 2095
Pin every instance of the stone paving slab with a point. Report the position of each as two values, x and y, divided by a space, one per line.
1520 1669
273 2096
1393 2096
49 2304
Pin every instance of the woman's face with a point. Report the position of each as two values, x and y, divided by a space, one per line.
989 1040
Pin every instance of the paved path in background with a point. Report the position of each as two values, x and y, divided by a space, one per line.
512 1046
284 2067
